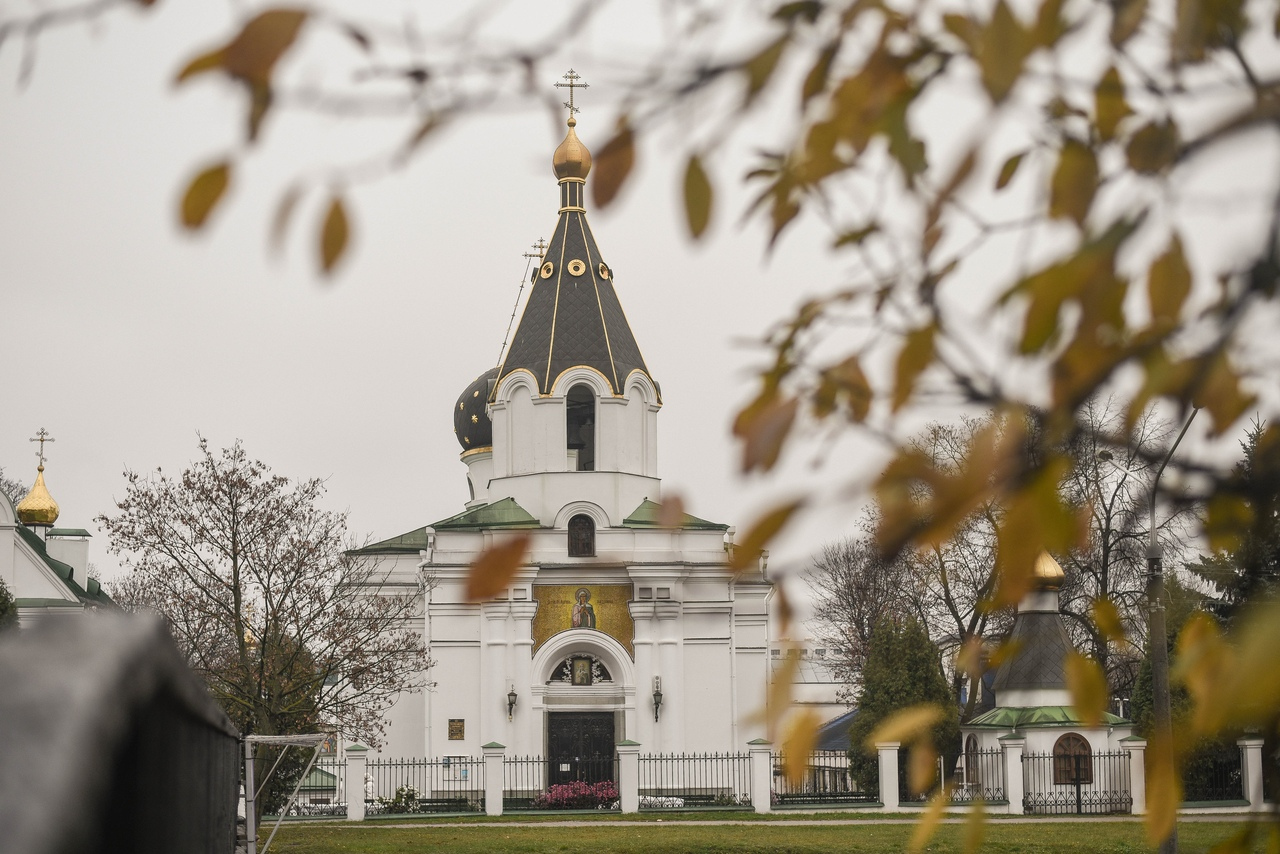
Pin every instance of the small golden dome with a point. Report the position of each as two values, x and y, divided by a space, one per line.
571 160
1047 574
38 507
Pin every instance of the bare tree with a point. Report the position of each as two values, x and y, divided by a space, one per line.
1111 473
855 587
12 488
263 593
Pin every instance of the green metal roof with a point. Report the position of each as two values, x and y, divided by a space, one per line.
500 514
1008 717
408 543
648 513
68 532
94 594
318 779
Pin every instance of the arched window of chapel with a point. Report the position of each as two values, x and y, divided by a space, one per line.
582 536
1072 760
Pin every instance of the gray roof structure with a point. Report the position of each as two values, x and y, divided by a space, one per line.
1040 645
573 317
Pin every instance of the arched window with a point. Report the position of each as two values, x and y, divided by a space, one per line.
582 536
971 775
1072 760
580 425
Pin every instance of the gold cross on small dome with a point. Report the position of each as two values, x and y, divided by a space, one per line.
42 436
573 78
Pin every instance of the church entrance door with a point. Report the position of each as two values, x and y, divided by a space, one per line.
580 746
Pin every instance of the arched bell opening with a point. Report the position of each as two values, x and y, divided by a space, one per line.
580 426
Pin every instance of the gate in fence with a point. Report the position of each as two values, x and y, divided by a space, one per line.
826 779
538 783
684 781
1091 783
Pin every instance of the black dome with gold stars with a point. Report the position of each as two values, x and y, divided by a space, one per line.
471 423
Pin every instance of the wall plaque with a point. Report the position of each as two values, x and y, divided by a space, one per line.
457 729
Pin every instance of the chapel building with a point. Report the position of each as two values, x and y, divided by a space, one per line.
622 624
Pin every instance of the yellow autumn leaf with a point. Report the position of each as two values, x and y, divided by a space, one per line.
697 196
1109 104
1107 619
1088 687
495 567
1153 148
760 67
1074 182
613 165
906 725
802 735
929 822
970 657
975 827
745 554
763 427
1168 284
252 55
671 512
203 194
1164 790
1009 169
334 234
1127 16
1004 45
915 356
922 766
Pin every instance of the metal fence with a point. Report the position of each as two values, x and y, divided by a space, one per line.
323 790
535 783
1096 783
444 784
827 779
1213 773
692 780
906 794
979 776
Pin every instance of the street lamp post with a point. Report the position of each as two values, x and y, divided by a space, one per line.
1159 632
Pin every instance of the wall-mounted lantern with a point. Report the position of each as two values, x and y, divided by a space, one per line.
657 696
511 701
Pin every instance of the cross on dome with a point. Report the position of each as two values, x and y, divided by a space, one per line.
573 77
539 249
42 436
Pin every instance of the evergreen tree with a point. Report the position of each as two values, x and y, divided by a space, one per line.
8 608
904 668
1251 570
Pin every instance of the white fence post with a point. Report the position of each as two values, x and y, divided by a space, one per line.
629 775
494 778
355 771
887 753
1251 768
1013 746
1136 747
761 752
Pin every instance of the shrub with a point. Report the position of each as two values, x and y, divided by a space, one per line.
577 795
406 800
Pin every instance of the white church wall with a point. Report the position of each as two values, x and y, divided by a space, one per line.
708 696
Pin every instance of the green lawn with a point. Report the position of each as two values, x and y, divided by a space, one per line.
718 839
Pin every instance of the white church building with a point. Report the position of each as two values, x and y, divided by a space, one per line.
617 626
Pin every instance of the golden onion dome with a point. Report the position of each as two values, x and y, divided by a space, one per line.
38 507
1047 574
571 160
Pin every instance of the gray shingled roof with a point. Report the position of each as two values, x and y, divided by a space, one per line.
1040 647
573 321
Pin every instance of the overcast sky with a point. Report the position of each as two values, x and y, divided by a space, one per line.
126 337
